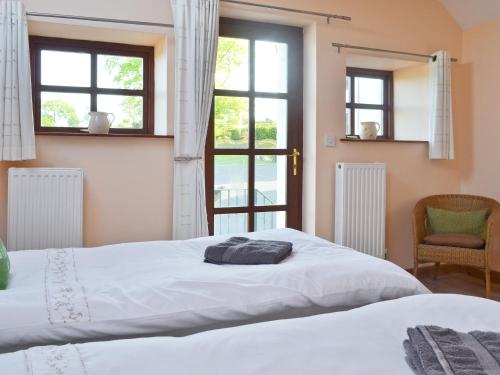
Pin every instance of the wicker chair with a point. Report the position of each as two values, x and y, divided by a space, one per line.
455 255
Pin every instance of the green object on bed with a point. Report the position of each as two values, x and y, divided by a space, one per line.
461 222
4 267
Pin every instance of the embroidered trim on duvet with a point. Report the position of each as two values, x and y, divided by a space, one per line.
60 360
65 296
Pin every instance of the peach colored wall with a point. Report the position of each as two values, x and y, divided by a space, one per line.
127 184
114 214
481 53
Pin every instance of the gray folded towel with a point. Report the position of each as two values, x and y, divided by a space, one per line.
241 250
434 350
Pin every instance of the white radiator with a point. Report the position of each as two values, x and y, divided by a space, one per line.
360 207
45 208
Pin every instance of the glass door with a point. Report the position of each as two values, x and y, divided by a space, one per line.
254 144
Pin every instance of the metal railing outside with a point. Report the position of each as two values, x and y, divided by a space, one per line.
234 223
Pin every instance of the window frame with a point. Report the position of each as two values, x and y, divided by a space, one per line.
38 43
387 106
254 31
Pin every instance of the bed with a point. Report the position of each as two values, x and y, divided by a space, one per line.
367 340
165 288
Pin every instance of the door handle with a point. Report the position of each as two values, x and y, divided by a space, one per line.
295 154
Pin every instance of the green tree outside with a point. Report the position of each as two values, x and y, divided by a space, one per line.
127 73
55 111
231 114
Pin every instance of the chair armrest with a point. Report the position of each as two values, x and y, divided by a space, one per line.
419 216
493 239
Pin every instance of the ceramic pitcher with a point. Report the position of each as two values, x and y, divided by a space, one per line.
100 122
369 130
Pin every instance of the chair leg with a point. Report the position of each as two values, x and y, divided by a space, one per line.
487 276
415 268
436 270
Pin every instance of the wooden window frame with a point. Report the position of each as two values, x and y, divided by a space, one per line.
388 101
37 44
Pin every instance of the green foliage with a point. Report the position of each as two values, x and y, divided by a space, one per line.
133 108
232 113
56 111
127 72
265 130
231 53
265 134
235 134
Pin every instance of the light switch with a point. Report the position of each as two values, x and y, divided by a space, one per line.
330 140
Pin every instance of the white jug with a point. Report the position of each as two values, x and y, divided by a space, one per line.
369 130
100 123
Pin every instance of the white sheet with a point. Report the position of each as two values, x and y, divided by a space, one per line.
72 295
367 340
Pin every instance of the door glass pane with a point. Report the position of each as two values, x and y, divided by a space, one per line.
271 123
347 89
232 70
270 220
128 110
65 68
120 72
369 90
230 181
230 224
271 67
270 180
231 122
65 110
362 115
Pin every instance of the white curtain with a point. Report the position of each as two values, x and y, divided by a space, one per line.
441 144
17 138
196 32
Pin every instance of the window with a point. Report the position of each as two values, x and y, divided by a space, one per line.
73 77
369 96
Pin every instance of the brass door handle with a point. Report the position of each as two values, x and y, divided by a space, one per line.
295 154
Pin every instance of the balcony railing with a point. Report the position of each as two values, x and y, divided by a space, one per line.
237 223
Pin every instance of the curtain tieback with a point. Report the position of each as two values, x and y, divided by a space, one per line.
187 158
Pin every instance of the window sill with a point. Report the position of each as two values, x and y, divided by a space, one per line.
380 141
111 135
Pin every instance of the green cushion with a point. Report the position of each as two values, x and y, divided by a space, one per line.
462 222
4 266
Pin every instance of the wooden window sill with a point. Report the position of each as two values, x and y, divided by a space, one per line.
380 141
111 135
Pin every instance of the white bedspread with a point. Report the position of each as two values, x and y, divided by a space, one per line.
367 340
71 295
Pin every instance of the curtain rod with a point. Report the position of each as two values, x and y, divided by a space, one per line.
349 46
97 19
308 12
167 25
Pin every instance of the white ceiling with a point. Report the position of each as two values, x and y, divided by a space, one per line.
472 13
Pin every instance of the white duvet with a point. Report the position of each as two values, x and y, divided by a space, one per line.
165 288
364 341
